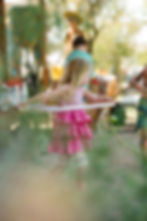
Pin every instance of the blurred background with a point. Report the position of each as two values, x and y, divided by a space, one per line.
35 37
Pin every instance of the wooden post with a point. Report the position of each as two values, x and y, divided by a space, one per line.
43 45
3 50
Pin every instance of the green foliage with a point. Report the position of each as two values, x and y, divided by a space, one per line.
117 190
28 135
117 116
142 57
111 47
90 12
27 25
98 15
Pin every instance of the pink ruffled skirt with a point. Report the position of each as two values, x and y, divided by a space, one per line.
71 132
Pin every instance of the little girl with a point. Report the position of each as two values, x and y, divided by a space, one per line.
140 83
71 131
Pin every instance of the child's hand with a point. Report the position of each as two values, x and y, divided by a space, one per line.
104 99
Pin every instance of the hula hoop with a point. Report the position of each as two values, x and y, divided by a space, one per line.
44 108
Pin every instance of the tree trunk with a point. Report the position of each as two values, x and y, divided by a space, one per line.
92 40
43 45
91 43
3 51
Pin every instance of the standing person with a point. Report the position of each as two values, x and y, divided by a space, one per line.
32 81
96 114
71 131
74 30
80 51
140 83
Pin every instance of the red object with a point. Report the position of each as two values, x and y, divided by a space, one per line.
14 82
95 81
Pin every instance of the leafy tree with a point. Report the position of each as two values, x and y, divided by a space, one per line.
26 28
98 14
29 30
115 44
142 57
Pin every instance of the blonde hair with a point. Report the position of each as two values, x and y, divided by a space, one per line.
75 69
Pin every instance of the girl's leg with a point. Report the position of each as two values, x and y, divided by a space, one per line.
95 115
82 167
144 140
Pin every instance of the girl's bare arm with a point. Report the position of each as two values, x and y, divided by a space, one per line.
38 98
48 96
135 83
92 97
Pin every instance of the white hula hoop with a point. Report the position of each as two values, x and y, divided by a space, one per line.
44 108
